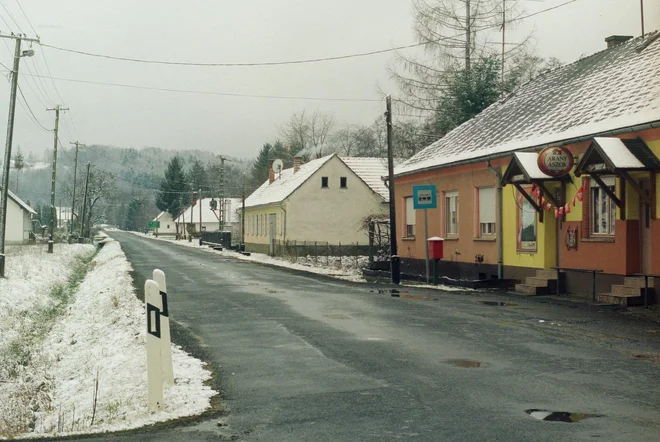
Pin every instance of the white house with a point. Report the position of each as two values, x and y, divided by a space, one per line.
210 216
325 200
19 220
167 224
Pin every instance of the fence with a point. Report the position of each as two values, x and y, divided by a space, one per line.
222 238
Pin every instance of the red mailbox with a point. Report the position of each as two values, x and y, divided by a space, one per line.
436 247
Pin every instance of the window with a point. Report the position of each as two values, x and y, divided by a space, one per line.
168 226
451 212
486 211
603 209
324 182
410 218
342 182
526 225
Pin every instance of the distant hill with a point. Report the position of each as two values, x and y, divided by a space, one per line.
136 170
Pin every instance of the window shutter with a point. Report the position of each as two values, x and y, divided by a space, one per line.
410 211
487 205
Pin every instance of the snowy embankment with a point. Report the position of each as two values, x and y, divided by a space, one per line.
86 372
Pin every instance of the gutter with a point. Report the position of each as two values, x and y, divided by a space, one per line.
284 229
623 130
500 218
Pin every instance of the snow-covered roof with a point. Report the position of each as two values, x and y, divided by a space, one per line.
529 162
285 183
612 89
208 215
20 202
162 215
370 170
618 153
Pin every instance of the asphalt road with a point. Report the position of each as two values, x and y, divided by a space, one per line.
304 358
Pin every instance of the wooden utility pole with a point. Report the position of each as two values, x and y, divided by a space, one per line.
200 217
81 239
503 35
73 202
394 260
242 246
468 35
8 143
53 213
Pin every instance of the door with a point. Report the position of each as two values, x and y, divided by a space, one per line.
273 232
645 229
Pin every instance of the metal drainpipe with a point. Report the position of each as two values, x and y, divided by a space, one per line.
284 230
500 247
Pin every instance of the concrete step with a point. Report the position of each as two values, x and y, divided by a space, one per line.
525 289
620 299
538 282
636 281
628 290
546 274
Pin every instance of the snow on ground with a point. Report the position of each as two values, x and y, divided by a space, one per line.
346 271
441 287
100 337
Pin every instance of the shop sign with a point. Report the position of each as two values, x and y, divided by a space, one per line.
555 161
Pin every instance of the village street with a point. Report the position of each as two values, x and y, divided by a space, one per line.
302 357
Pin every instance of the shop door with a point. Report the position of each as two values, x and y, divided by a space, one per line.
645 229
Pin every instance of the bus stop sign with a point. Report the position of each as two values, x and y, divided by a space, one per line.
425 197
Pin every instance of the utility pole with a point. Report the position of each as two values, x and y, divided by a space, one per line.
8 142
242 246
503 34
73 202
82 221
468 35
200 217
53 214
641 4
222 202
394 262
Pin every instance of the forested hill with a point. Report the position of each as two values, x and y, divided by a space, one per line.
133 172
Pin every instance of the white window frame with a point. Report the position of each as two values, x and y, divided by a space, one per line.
487 209
602 210
410 217
451 222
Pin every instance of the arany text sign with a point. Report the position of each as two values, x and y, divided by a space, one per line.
555 161
425 197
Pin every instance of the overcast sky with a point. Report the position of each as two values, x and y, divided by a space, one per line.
239 31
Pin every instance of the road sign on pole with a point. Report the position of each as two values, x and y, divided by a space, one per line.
425 197
151 225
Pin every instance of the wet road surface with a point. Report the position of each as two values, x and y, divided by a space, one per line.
305 358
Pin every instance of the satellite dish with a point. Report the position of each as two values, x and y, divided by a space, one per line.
278 165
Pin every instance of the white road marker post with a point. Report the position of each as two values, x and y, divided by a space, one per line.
154 359
165 337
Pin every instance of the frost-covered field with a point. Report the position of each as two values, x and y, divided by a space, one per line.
59 352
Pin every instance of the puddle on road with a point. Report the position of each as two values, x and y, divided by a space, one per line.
499 303
464 363
559 416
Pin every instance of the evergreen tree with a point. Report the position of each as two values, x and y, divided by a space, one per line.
198 178
175 194
19 164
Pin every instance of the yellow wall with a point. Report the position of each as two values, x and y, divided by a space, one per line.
544 257
262 236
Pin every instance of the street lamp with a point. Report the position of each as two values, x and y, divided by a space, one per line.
8 143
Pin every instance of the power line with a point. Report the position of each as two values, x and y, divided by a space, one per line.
30 111
10 16
224 94
26 17
291 62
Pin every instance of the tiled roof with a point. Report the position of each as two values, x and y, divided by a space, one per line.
370 170
612 89
285 184
191 214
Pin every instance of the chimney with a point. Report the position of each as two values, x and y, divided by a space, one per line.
616 40
297 161
271 175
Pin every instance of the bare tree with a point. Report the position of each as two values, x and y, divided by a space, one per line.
308 134
453 34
